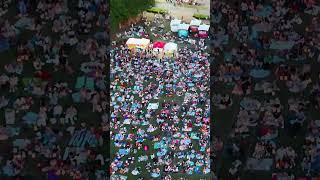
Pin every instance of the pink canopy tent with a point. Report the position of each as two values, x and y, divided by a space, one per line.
159 44
203 30
203 34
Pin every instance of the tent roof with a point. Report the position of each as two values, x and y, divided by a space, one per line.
204 27
158 44
175 21
195 22
170 46
184 26
138 41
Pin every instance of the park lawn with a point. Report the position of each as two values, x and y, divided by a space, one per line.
161 99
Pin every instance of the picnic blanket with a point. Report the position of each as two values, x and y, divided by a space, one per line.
159 145
118 177
264 12
85 82
259 164
315 165
259 73
66 153
155 175
76 97
190 84
281 45
194 136
127 121
262 27
80 82
4 45
80 138
260 86
314 10
297 87
162 152
8 170
142 158
153 106
118 137
4 103
12 131
89 84
124 151
24 23
250 104
52 175
30 118
227 56
137 88
26 81
273 59
9 116
21 143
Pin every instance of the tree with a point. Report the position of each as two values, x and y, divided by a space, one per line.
121 10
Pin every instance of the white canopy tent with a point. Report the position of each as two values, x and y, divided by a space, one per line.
138 43
184 26
204 27
174 25
171 47
195 22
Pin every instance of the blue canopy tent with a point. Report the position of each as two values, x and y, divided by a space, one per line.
183 30
183 33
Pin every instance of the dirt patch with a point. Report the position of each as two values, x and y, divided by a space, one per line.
129 22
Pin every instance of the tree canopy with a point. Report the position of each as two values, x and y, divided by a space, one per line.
121 10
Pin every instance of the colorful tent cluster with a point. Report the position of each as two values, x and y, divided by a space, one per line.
168 48
158 46
195 27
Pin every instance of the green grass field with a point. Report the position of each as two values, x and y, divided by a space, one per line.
161 99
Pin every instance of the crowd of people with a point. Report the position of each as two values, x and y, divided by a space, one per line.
54 98
54 119
160 125
266 57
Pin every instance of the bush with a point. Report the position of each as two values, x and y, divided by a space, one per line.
157 10
201 16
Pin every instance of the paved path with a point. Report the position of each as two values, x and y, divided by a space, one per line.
186 12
